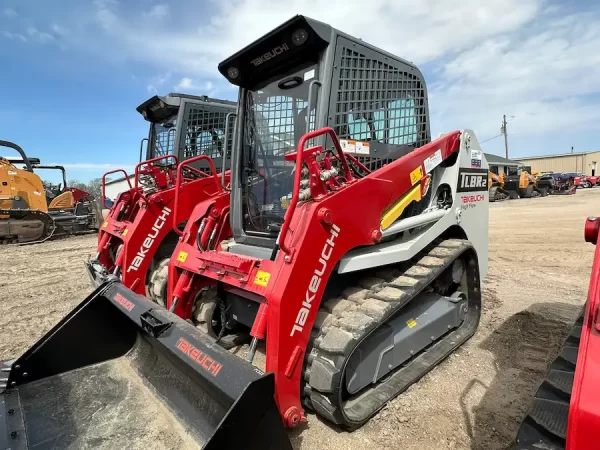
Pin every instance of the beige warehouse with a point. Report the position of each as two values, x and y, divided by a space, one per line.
587 163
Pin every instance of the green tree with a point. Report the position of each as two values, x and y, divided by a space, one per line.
95 187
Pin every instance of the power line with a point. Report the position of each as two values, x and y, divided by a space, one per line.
491 138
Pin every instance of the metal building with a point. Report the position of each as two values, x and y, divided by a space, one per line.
116 186
587 163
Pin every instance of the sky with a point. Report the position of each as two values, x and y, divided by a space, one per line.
73 71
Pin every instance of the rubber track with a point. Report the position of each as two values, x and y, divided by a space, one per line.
46 219
545 426
343 322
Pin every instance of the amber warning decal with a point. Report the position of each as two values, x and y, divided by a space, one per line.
416 175
105 224
182 256
262 278
202 359
124 302
472 180
125 231
411 323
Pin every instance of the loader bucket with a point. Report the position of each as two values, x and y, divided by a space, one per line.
120 373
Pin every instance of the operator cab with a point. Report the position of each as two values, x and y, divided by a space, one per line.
207 121
375 102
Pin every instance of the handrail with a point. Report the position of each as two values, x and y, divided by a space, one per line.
309 106
142 146
179 177
104 184
298 174
149 161
231 114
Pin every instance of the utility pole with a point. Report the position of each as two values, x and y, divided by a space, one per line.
503 130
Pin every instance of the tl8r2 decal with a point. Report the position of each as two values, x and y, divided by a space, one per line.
472 180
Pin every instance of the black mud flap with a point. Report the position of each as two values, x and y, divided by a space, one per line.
116 373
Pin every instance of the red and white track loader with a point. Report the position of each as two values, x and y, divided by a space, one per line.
188 146
360 246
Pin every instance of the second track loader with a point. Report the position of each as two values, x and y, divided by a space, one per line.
187 154
360 246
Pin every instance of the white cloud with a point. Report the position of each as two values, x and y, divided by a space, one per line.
158 11
9 12
533 59
157 82
40 36
546 79
187 85
9 35
59 30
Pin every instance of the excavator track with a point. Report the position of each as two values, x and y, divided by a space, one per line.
545 426
344 323
47 231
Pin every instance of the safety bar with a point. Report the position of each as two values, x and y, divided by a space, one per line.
142 146
312 84
180 167
150 161
104 184
298 174
227 117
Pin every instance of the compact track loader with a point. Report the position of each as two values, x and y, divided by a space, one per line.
188 147
358 254
31 212
519 183
496 185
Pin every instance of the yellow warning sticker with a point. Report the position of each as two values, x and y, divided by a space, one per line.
105 224
182 256
411 323
125 231
416 175
262 278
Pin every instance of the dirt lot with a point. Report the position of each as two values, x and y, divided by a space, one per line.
537 283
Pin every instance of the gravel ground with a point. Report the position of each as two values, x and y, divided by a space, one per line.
536 286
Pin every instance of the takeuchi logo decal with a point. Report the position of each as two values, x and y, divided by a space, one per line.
202 359
149 241
270 55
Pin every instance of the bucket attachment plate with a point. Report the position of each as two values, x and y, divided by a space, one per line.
118 372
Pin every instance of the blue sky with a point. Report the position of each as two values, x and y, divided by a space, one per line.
73 71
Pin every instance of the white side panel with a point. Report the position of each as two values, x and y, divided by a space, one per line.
470 211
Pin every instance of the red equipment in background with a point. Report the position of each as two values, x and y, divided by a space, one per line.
565 413
79 194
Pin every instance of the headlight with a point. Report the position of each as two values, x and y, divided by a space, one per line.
299 37
233 73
